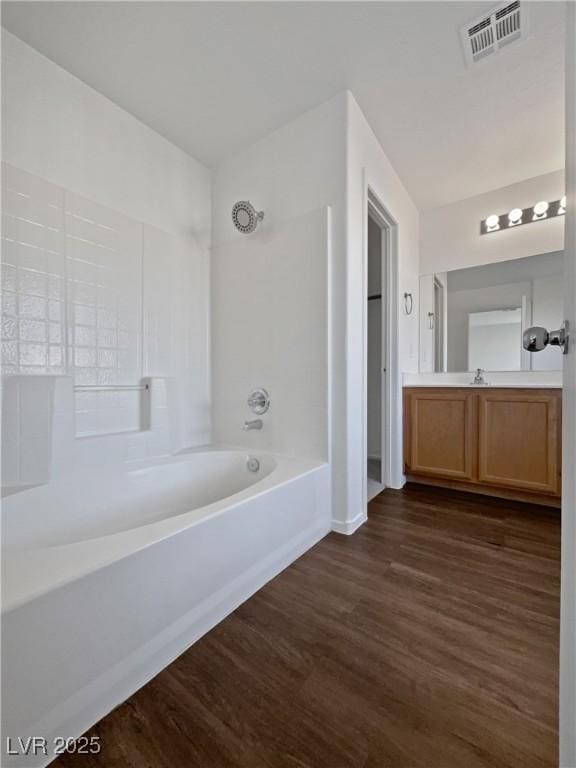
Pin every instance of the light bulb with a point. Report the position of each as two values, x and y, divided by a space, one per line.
562 206
540 210
515 216
492 222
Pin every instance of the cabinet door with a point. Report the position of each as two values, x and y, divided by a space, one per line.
519 440
440 436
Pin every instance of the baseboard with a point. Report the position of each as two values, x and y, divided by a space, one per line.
349 527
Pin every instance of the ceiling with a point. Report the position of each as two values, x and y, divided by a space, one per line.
212 77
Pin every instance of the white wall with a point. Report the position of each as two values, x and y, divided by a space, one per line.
58 128
450 236
568 593
125 202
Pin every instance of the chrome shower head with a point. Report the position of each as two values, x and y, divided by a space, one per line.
245 217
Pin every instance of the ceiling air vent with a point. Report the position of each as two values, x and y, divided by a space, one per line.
491 32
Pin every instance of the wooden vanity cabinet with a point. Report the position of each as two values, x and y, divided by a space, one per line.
502 442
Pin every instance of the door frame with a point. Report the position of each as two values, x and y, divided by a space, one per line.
567 713
390 388
439 289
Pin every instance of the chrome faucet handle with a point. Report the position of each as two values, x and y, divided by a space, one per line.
259 401
479 378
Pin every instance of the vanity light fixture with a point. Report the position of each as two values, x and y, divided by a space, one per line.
540 210
492 222
517 216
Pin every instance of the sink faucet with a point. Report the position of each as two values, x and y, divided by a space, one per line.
479 378
254 424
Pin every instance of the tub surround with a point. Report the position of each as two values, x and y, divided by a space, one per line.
499 441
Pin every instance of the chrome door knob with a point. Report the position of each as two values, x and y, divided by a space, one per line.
536 338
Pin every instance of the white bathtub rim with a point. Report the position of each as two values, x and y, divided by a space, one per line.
21 582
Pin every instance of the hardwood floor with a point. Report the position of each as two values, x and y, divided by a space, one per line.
429 638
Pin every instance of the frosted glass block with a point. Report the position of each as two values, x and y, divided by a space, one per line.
33 354
32 330
32 306
55 355
9 328
107 358
84 336
55 333
54 310
107 338
8 303
84 358
86 376
10 353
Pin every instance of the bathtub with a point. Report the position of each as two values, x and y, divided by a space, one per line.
108 578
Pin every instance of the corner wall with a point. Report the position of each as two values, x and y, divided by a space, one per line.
319 159
368 166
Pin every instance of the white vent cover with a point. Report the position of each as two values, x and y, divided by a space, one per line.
491 32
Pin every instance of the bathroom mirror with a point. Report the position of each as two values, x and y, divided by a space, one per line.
474 317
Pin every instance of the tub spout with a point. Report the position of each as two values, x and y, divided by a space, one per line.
254 424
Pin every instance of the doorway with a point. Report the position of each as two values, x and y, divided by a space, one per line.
377 294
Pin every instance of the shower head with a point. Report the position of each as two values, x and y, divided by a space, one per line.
245 217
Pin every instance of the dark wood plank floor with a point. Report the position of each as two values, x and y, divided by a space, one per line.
429 638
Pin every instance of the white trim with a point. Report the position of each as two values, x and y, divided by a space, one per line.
567 676
392 474
350 526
